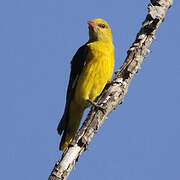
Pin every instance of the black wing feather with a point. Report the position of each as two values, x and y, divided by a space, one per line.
77 64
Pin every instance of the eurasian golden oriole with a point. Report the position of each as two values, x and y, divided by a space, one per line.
91 69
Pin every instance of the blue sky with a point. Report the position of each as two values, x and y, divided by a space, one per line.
38 38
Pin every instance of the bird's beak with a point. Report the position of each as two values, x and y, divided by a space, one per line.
92 24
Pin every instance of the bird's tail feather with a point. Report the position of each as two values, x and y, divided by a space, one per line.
63 122
71 124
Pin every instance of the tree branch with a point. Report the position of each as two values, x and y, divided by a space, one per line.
116 91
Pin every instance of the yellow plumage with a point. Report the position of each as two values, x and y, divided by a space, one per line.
91 68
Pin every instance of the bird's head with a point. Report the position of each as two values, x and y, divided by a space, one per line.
99 30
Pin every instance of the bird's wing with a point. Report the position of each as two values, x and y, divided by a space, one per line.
77 64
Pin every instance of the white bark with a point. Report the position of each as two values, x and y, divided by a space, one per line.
115 93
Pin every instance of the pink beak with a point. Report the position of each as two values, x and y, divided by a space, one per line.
92 24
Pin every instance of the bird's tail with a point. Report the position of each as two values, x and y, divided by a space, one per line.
70 124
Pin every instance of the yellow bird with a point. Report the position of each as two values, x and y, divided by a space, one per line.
91 69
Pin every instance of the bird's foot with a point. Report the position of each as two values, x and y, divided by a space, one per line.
96 106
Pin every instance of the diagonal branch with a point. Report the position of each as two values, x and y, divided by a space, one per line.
115 93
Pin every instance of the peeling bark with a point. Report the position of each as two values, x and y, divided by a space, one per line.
116 91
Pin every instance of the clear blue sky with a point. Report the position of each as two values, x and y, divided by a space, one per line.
140 140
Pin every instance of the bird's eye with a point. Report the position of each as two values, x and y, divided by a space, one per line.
102 25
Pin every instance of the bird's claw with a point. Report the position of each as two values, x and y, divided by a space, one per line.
96 106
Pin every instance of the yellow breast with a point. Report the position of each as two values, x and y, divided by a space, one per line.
97 72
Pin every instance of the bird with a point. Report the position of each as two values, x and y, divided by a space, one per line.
91 69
